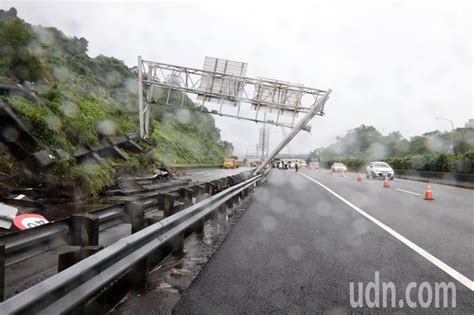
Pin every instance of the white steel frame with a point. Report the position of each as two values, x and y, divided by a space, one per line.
280 97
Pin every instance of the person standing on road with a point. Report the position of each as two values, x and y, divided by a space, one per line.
296 166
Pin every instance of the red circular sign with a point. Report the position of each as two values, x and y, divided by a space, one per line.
29 220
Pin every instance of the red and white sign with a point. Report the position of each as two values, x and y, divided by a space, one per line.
29 220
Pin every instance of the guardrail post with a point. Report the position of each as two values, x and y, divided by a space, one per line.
214 215
225 182
166 203
199 228
221 184
66 260
186 195
216 185
2 272
137 277
84 229
177 245
237 199
222 209
210 188
202 193
135 213
230 181
230 203
177 207
253 186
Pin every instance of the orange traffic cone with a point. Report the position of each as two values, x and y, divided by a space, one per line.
359 177
428 194
386 184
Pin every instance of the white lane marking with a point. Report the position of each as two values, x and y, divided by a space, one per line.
438 263
21 196
408 192
367 182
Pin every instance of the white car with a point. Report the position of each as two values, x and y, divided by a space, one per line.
379 170
338 167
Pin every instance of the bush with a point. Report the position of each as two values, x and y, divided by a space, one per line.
350 163
454 163
93 177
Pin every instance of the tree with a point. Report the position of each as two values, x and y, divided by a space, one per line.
15 56
418 145
228 148
396 144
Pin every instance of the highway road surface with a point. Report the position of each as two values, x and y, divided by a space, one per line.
309 235
210 174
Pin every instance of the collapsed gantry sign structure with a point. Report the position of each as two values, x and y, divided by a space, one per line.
223 83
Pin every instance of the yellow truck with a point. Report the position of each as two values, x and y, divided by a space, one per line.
231 162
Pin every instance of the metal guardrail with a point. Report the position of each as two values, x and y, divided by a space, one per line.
34 242
72 288
25 244
22 245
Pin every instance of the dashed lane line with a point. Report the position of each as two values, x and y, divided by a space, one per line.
435 261
408 192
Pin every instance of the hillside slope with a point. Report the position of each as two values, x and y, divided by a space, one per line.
82 99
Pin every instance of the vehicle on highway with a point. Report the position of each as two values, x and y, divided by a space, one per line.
231 162
255 163
379 169
276 163
338 167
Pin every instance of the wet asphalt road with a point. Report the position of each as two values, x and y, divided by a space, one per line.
209 174
298 246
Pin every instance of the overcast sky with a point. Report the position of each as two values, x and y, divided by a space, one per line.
393 66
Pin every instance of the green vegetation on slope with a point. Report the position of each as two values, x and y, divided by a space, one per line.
186 135
83 99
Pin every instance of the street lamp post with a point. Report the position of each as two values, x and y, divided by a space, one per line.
268 144
452 129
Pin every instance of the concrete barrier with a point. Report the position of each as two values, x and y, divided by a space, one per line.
455 179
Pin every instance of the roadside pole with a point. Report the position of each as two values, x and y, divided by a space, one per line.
302 123
140 98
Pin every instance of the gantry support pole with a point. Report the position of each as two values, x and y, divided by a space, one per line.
140 98
302 123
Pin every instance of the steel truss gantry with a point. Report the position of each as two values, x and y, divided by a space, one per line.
223 82
282 99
